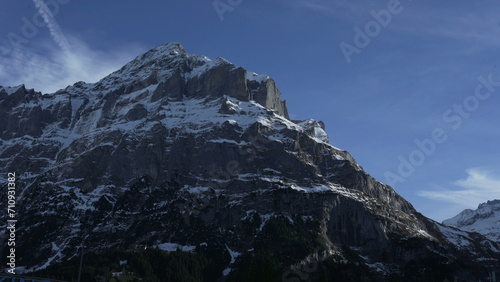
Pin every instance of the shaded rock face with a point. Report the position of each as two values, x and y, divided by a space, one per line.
174 148
17 120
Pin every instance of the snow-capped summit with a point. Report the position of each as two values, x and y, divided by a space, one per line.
175 75
484 220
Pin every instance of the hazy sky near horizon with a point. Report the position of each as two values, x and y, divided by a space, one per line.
410 88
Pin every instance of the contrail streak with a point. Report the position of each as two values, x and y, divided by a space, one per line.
55 30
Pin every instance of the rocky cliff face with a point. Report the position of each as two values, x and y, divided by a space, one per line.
484 220
175 149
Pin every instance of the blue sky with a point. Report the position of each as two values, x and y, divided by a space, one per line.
410 73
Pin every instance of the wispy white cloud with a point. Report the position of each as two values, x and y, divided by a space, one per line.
479 186
346 10
315 6
55 30
478 28
51 70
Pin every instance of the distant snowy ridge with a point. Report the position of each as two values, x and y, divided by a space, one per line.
484 220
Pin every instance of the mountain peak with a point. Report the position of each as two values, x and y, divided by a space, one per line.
167 51
495 202
12 89
157 61
484 220
172 48
182 75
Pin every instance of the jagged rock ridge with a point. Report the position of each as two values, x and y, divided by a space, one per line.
484 220
180 149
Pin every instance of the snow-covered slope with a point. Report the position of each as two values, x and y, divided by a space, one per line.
484 220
